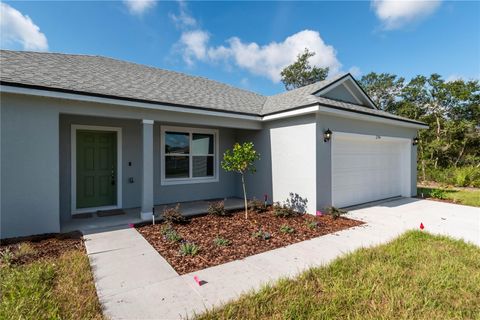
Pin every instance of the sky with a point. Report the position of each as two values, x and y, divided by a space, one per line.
247 44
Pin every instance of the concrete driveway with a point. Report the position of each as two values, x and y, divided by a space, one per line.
134 282
458 221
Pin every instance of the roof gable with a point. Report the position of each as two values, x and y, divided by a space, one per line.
346 89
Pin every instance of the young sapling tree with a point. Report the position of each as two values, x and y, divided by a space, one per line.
241 160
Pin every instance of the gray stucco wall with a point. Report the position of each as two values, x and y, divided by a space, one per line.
30 168
295 165
324 177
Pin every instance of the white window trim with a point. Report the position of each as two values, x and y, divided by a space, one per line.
73 170
190 131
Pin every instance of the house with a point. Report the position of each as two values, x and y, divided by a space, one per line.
81 133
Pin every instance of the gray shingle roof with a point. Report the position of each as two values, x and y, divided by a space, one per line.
110 77
102 76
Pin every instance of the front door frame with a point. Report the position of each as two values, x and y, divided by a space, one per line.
73 136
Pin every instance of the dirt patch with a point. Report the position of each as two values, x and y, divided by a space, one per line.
204 229
25 250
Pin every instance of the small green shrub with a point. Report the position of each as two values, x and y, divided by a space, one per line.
221 242
173 215
260 234
217 208
437 193
335 212
468 176
311 224
189 249
282 210
257 206
6 257
173 236
286 229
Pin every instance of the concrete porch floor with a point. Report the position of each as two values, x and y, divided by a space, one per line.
192 208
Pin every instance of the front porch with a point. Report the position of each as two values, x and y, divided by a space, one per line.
134 173
89 222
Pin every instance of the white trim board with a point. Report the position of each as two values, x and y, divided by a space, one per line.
154 106
73 168
215 178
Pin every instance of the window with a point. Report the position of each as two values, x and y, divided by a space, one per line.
189 155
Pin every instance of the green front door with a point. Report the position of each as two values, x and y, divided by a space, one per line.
96 168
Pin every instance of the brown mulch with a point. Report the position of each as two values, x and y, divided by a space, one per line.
25 250
204 229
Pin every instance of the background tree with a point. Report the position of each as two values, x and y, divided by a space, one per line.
383 88
301 73
241 160
452 111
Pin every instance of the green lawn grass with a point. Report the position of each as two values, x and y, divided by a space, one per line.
469 197
417 276
49 289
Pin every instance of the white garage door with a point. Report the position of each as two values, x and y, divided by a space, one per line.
368 168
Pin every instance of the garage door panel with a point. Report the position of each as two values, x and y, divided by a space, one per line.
365 170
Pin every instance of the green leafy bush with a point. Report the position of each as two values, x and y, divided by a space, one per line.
6 257
217 208
173 215
189 249
173 236
221 242
311 224
257 206
282 210
260 234
286 229
335 212
437 193
460 176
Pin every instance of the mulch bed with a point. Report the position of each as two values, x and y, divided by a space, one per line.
40 247
203 230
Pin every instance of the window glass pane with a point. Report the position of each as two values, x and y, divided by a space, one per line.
202 143
202 166
176 167
176 142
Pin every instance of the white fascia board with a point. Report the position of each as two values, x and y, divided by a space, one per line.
291 113
372 118
120 102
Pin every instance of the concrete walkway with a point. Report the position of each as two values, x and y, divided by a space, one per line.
134 282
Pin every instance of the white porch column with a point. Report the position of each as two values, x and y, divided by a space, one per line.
147 176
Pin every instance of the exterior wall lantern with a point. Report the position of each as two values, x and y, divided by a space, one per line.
415 141
327 135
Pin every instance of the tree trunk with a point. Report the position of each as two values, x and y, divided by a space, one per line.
245 197
461 153
438 127
424 176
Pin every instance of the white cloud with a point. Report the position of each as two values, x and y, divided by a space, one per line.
183 19
17 28
264 60
355 71
395 14
139 7
194 45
